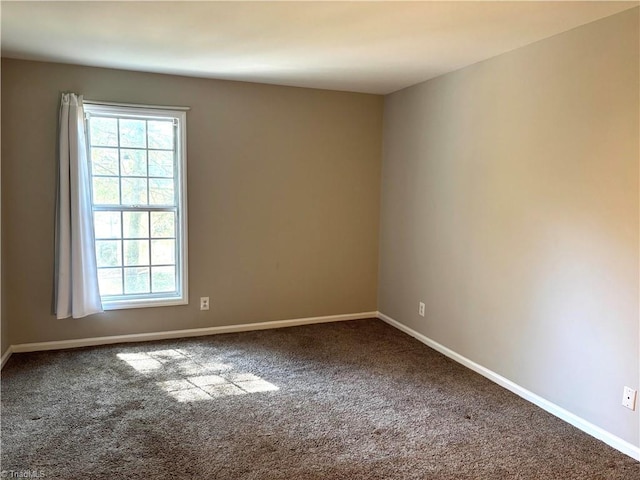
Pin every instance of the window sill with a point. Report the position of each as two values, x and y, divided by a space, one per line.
152 302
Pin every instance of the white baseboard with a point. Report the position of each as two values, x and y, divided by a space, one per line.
194 332
578 422
6 356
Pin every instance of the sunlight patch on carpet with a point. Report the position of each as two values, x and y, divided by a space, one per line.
198 381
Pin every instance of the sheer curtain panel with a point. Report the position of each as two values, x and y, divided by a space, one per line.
77 294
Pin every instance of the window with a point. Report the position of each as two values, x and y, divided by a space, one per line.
138 178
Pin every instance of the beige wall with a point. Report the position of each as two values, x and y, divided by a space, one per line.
510 207
283 193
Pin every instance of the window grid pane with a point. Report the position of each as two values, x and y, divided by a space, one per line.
136 280
163 279
144 258
110 281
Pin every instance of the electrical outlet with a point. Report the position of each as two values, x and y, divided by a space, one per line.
204 303
629 398
421 309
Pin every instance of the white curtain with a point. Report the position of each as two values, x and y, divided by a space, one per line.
77 294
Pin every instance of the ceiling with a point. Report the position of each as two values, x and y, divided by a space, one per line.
373 47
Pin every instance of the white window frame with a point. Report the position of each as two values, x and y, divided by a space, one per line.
182 275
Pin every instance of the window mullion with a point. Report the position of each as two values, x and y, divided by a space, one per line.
123 208
119 166
121 246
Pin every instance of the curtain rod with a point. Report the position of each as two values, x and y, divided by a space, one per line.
117 104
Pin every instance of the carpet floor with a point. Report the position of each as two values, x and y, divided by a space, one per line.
348 400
